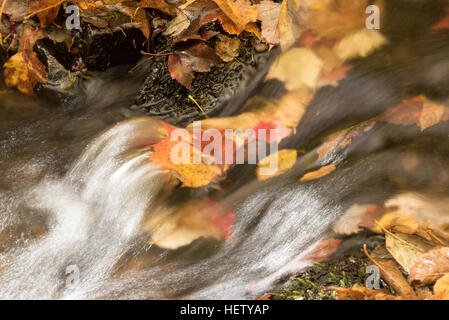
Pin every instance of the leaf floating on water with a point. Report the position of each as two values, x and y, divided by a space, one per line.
285 159
174 227
296 67
418 111
324 250
321 172
359 44
24 70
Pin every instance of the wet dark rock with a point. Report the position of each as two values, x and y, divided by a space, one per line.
163 97
102 48
58 62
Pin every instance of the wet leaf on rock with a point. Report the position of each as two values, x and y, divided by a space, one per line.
24 70
199 57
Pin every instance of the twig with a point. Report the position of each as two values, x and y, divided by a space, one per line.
28 38
155 54
198 105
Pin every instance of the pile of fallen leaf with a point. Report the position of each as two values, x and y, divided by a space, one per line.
414 260
184 22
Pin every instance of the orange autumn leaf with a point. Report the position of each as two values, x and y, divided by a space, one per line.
317 174
323 250
358 292
191 174
236 14
418 111
24 71
46 17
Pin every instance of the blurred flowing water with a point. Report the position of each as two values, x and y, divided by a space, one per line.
75 183
71 197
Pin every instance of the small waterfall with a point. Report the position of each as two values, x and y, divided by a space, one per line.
93 218
94 211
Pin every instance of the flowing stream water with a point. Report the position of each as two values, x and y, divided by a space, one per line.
76 183
74 198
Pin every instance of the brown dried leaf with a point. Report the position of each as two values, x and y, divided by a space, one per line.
390 273
46 17
431 266
227 48
406 249
199 57
160 5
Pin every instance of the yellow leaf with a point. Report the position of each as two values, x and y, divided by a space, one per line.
321 172
237 14
396 223
441 288
296 67
24 70
285 159
359 44
289 30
